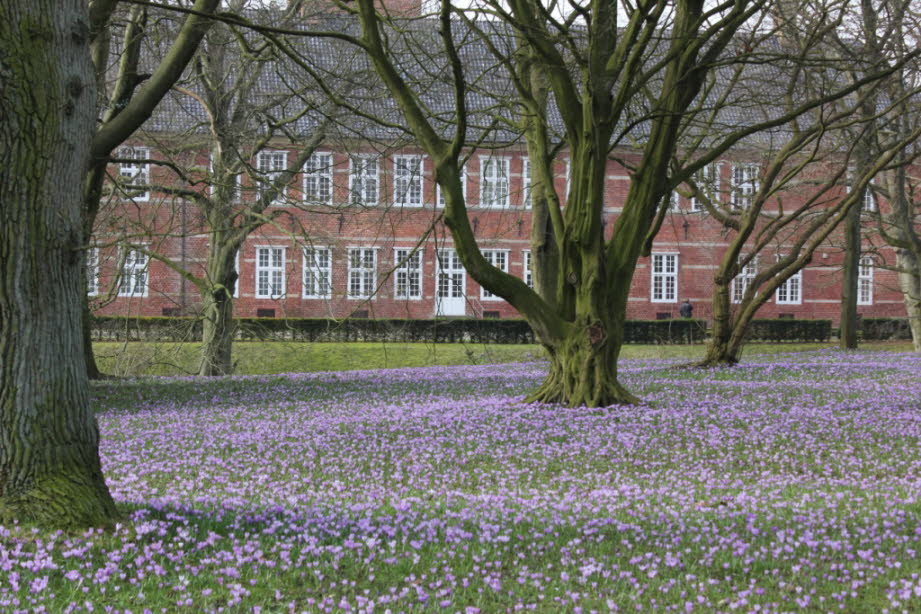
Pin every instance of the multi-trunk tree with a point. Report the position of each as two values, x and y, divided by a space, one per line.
50 473
129 90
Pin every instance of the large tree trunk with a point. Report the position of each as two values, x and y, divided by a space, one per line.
218 325
583 366
50 473
910 281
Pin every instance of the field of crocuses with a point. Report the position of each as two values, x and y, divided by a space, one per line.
790 483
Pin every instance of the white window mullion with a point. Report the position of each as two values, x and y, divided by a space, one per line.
494 180
362 272
407 181
865 281
407 281
270 272
317 273
499 259
318 179
664 278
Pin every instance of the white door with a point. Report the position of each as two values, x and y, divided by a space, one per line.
450 298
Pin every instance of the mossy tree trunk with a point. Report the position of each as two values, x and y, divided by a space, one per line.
50 472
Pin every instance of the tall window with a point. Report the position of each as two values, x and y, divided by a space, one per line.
407 280
707 181
362 272
790 292
499 259
92 271
743 280
664 280
869 198
136 172
318 179
526 183
407 181
270 272
364 182
134 274
463 179
493 182
317 272
673 200
527 275
744 185
271 164
865 281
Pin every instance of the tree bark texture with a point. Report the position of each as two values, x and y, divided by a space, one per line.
218 324
847 339
909 266
50 473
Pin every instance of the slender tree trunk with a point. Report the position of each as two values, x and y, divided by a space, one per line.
218 325
847 339
50 473
89 356
910 280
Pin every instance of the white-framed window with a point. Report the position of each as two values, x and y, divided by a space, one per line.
499 259
865 281
440 197
526 183
270 165
136 172
364 180
318 179
318 272
133 281
673 200
270 272
92 271
664 278
743 280
790 292
407 275
526 274
744 185
707 181
362 272
407 181
494 174
868 202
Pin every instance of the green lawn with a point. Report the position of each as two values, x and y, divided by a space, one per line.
261 358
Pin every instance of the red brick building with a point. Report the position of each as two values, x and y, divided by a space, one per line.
328 255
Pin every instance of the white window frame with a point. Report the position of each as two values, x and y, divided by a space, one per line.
526 274
526 183
134 173
865 281
499 259
317 277
743 280
745 184
408 181
135 273
407 273
790 292
270 164
663 266
674 201
869 202
364 180
271 269
440 197
318 178
92 271
494 187
364 276
236 268
708 180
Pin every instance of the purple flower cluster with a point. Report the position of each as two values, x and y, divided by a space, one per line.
790 483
